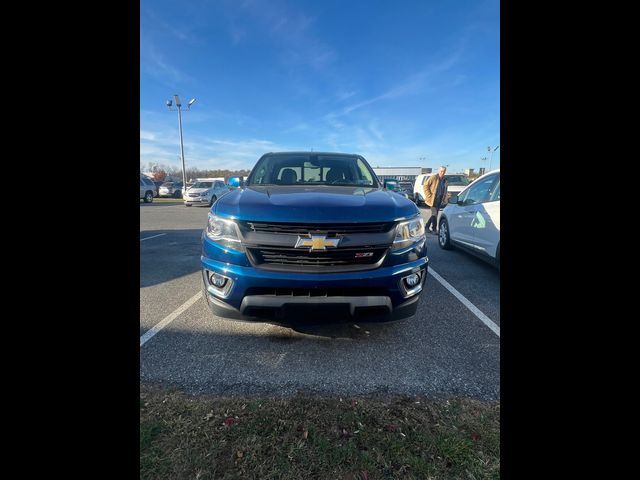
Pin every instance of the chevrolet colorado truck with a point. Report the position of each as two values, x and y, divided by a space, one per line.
311 234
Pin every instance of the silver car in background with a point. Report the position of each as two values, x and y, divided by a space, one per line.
205 192
148 189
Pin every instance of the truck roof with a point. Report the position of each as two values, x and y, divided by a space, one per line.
313 153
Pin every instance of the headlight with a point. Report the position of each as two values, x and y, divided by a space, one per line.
224 232
409 232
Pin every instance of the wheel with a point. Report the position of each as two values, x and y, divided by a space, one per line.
444 239
187 205
213 200
148 197
177 194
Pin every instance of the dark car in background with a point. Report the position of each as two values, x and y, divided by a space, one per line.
393 185
407 189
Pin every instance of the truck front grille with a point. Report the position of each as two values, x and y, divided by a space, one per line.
330 229
296 259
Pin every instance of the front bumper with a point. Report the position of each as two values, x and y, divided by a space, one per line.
197 200
388 299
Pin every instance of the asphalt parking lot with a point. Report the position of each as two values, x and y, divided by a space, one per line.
451 347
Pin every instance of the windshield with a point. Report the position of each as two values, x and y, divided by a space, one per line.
312 169
458 180
202 185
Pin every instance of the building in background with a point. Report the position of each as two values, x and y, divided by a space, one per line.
402 174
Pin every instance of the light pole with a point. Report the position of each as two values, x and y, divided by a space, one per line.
491 159
179 105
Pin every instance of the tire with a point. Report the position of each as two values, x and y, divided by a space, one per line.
148 197
444 238
188 205
213 200
177 194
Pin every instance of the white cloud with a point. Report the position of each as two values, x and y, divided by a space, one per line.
413 85
144 135
154 63
205 152
343 95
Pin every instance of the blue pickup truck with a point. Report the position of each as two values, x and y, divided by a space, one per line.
312 235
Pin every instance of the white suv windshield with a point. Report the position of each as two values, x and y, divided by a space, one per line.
457 180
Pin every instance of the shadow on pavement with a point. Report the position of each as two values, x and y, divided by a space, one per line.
414 357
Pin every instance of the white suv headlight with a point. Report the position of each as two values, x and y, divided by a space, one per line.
224 232
409 232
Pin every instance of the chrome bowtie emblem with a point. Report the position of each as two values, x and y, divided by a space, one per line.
317 242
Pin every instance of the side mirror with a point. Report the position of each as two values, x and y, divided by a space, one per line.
453 199
234 182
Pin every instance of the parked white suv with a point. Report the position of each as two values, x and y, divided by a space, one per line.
205 192
418 188
170 189
471 220
457 183
148 189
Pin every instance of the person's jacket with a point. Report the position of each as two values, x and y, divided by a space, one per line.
431 187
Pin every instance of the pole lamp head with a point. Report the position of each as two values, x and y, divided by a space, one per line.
169 103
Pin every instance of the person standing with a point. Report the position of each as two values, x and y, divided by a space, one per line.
435 194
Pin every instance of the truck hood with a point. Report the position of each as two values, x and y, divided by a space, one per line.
321 204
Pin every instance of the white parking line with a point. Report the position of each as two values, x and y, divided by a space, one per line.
168 319
159 235
486 320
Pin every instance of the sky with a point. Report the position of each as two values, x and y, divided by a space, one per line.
402 83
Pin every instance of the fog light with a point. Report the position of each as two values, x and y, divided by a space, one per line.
412 280
217 280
